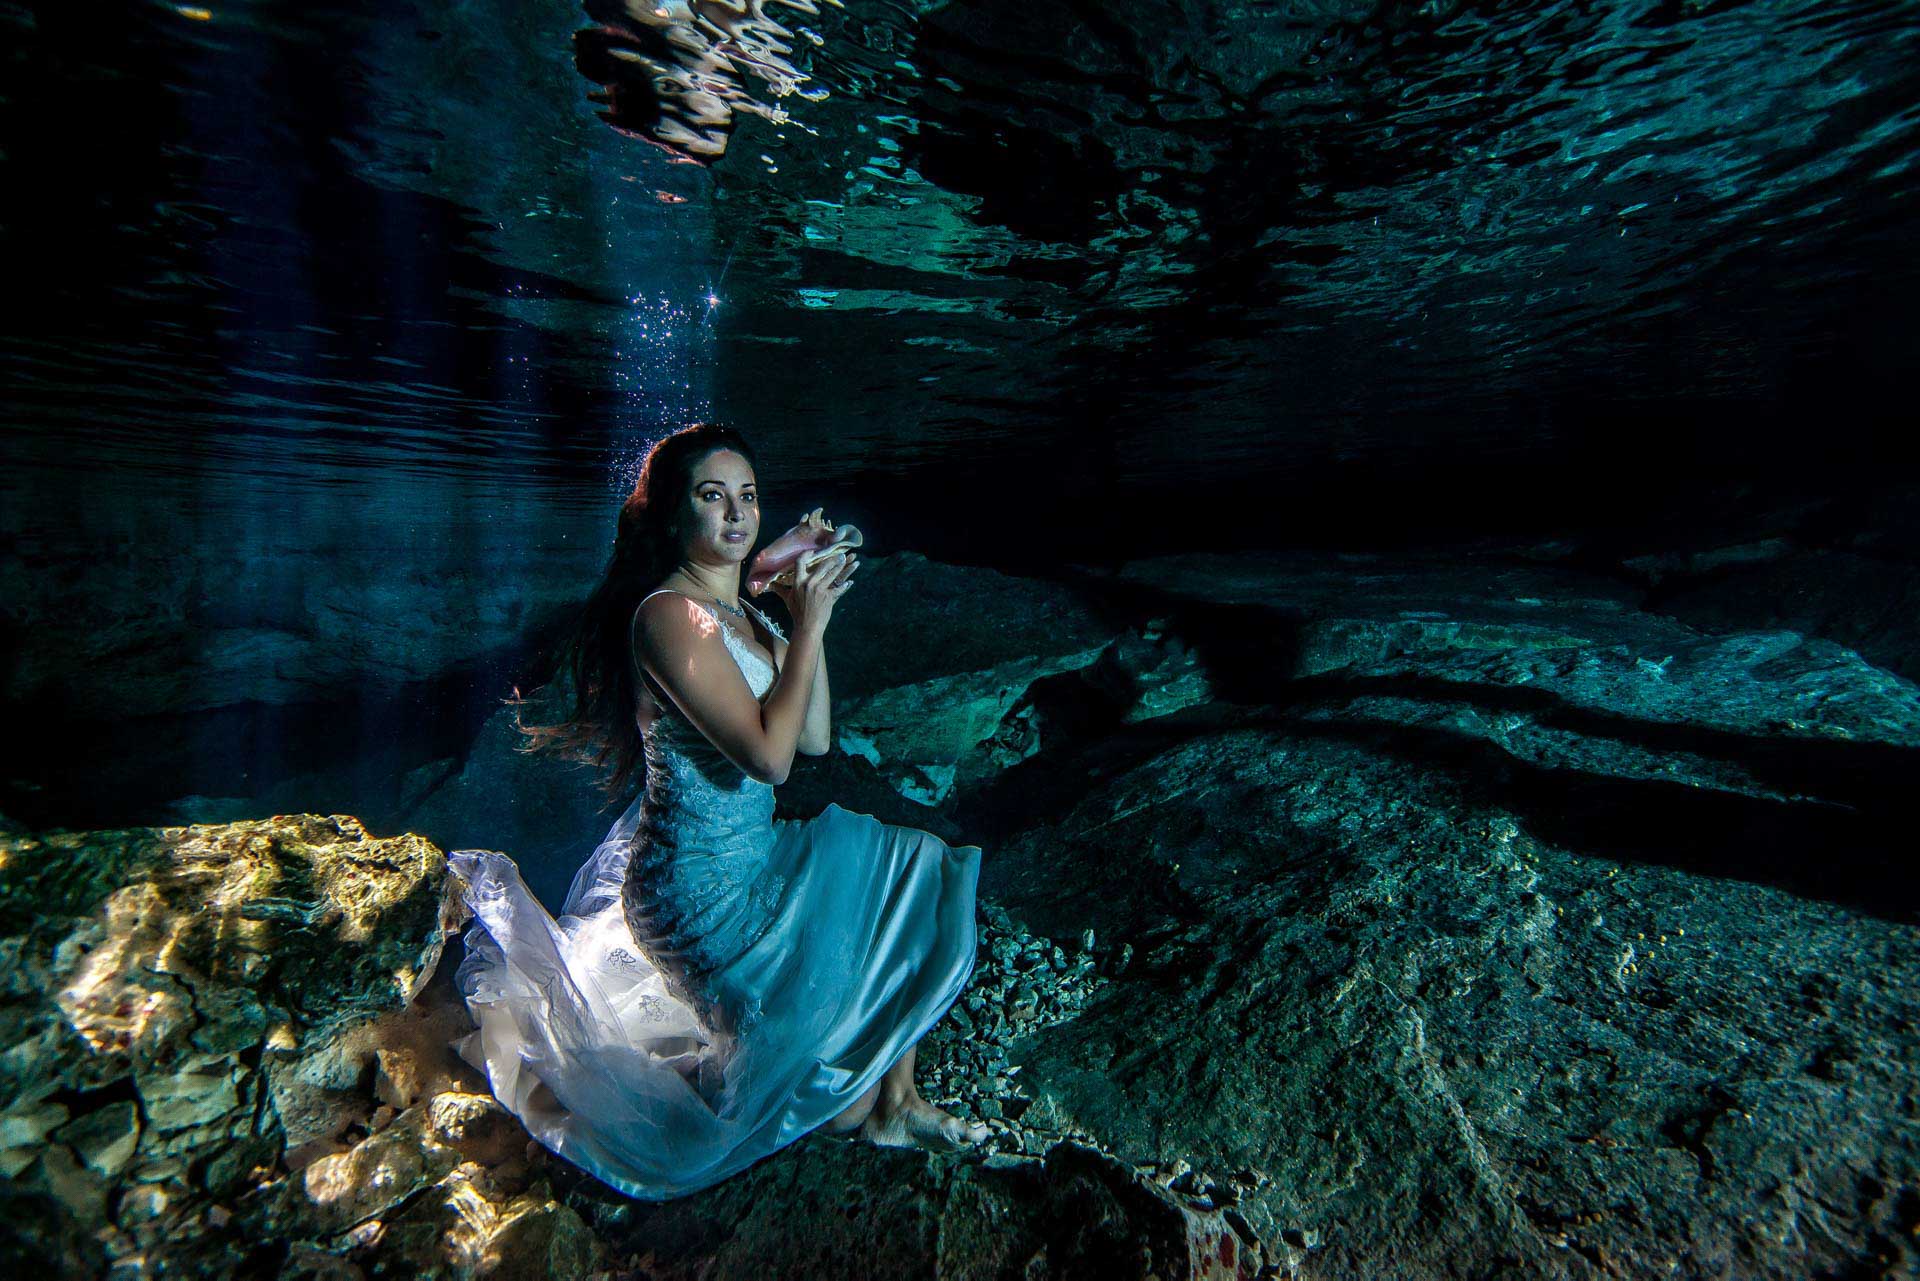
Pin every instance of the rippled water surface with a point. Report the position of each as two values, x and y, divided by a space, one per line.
418 250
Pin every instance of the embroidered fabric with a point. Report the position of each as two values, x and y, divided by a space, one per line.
699 889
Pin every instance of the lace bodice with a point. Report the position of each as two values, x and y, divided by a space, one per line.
705 826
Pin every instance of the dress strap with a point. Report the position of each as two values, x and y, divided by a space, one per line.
675 591
764 620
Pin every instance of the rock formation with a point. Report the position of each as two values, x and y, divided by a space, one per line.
1340 919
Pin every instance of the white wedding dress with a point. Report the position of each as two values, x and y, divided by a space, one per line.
718 982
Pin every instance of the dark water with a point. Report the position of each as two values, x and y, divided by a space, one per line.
295 248
349 310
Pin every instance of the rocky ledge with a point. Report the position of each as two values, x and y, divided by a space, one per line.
232 1056
1339 920
228 1055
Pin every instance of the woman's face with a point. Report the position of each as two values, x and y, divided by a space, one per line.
724 515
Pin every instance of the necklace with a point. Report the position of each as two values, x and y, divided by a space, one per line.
735 610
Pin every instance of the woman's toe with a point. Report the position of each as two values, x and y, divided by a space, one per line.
962 1131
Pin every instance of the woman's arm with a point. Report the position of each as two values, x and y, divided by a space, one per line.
679 645
816 732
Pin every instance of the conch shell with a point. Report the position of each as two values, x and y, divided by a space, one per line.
812 540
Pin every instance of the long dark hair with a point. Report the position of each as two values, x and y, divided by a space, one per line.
596 661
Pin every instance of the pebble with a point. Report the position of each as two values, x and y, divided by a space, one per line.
1023 985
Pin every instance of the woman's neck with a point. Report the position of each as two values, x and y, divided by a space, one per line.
721 583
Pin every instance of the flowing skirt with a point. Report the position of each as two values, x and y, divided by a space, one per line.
862 935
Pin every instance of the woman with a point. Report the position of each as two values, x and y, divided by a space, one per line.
718 983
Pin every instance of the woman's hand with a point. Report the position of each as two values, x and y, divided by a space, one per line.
784 586
818 588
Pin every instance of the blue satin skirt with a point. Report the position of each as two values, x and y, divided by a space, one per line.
848 940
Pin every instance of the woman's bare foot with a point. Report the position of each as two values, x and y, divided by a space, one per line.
916 1123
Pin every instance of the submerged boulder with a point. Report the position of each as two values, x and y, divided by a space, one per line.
970 671
231 1054
1484 926
1870 603
927 737
227 1049
1436 1043
1553 944
933 690
110 631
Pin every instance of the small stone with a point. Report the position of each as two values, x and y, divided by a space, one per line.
104 1138
23 1133
180 1100
142 1203
1006 1160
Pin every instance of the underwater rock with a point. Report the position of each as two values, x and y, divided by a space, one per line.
924 737
1031 663
930 691
110 637
952 733
1149 673
1548 665
224 1040
915 620
1662 565
1443 1038
1868 603
545 809
1488 589
834 1208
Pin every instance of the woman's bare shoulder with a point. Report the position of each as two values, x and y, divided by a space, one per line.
679 645
673 618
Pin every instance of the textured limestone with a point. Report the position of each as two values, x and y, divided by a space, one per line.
1458 1048
1561 947
1869 603
226 1051
1485 924
112 632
